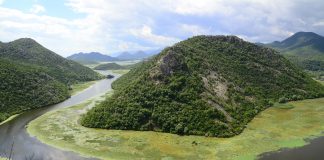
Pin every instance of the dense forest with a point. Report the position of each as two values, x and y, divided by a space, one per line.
32 76
206 85
28 51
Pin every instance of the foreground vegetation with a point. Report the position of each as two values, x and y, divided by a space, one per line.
206 85
32 76
281 126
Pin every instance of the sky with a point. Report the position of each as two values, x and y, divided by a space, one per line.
109 26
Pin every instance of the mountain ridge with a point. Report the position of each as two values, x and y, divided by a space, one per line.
205 85
91 57
305 49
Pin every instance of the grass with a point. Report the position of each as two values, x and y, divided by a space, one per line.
76 88
321 82
283 125
9 119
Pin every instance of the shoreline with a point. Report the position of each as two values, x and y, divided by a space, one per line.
77 88
9 118
255 140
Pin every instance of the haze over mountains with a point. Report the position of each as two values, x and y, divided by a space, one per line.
91 57
206 85
138 55
32 76
94 57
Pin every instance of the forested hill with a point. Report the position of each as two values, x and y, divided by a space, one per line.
28 51
31 76
306 49
206 85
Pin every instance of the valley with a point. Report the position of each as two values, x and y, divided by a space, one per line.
161 80
59 130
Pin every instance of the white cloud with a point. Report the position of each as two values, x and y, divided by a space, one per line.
201 7
36 8
145 33
319 23
194 29
109 26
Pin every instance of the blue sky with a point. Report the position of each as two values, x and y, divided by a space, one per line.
108 26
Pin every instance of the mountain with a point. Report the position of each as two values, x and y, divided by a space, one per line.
109 66
138 55
91 57
206 85
32 76
115 66
306 49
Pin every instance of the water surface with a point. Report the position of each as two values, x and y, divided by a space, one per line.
312 151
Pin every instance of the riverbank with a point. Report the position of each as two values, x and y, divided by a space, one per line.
9 119
281 126
76 88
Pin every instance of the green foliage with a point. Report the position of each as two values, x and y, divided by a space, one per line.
109 66
24 87
114 66
32 76
305 49
206 85
28 51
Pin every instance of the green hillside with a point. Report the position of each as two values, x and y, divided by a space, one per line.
206 85
28 51
114 66
109 66
32 76
305 49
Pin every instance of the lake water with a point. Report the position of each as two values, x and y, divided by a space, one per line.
312 151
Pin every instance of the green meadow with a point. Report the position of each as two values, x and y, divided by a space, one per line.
281 126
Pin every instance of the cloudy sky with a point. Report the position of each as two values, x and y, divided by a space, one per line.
108 26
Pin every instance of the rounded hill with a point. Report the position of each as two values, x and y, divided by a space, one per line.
206 85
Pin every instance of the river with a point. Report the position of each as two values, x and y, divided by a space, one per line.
13 133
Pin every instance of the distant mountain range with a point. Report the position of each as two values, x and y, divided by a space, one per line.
95 57
91 57
138 55
305 49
